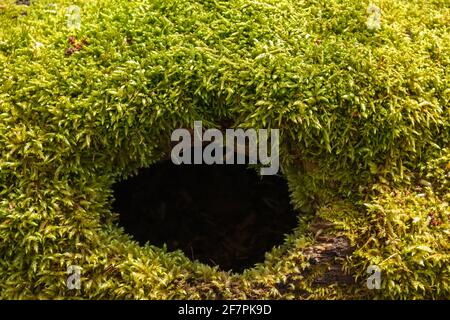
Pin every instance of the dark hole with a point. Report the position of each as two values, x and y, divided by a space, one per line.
225 215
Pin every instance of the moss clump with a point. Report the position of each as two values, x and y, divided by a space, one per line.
363 114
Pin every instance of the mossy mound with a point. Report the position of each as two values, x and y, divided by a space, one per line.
363 115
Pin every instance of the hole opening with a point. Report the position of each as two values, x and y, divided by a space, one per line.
225 215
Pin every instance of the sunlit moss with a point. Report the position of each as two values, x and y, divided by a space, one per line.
363 114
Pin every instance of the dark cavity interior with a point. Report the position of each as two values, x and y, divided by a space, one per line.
225 215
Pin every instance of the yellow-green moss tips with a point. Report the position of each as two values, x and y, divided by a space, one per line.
364 123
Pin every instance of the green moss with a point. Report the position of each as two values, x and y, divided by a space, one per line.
364 119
